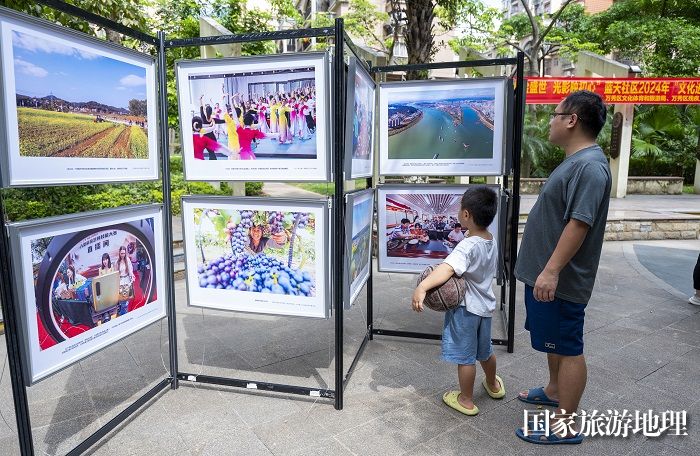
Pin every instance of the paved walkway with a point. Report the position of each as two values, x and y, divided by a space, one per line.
642 340
641 207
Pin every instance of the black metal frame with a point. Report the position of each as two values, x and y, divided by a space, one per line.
19 392
338 93
507 286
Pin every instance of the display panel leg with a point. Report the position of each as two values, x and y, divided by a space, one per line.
167 206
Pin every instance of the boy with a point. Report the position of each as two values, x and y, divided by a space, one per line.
466 335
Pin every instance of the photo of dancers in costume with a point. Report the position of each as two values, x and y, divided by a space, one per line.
267 114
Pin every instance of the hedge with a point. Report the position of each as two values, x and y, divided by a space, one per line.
31 203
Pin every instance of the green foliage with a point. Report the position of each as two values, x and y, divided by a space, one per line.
131 13
663 36
665 141
32 203
361 21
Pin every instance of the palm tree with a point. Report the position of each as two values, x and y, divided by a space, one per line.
654 128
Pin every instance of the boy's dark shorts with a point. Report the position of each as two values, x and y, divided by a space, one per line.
556 326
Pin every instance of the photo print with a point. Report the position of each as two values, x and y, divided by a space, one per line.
358 245
255 117
76 109
87 281
256 255
445 127
360 105
418 225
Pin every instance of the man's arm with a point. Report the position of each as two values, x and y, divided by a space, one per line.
440 275
569 242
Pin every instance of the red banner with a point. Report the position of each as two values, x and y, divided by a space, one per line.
616 90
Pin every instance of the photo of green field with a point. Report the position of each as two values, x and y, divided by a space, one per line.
74 103
59 134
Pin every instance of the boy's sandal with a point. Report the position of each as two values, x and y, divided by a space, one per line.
498 394
450 398
537 396
540 438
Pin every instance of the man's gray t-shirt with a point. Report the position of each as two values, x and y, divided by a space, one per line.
578 188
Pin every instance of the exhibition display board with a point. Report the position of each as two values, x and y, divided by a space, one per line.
78 283
85 281
442 128
74 109
359 213
257 255
359 127
286 96
418 226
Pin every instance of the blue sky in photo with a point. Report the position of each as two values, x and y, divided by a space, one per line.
361 216
44 67
415 95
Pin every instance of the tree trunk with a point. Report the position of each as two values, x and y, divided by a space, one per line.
418 34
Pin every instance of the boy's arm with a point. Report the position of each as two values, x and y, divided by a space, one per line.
440 275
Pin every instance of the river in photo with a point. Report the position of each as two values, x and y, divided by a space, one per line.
436 133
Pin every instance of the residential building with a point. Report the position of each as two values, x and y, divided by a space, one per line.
554 64
542 7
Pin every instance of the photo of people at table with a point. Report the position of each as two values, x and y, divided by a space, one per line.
268 114
423 223
104 276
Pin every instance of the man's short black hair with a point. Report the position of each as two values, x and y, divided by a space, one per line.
405 220
589 108
482 204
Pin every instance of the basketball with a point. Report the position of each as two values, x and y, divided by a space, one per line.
445 297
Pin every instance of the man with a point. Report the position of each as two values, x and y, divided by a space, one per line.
401 231
559 256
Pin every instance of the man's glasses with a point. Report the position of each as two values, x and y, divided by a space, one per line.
554 114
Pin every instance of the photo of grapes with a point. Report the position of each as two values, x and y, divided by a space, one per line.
258 251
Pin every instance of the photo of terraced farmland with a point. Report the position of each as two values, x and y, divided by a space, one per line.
75 103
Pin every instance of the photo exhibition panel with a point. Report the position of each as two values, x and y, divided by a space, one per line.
263 255
359 213
255 118
442 127
74 109
85 281
419 226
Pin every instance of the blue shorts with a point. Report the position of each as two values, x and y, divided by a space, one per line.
556 326
466 337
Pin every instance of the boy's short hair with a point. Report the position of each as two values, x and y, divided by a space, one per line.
590 109
482 204
459 225
405 220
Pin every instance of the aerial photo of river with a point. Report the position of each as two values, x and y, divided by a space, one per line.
446 128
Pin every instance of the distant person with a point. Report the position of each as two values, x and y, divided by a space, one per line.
257 242
559 256
695 299
466 333
70 281
106 265
126 280
420 233
456 234
202 142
